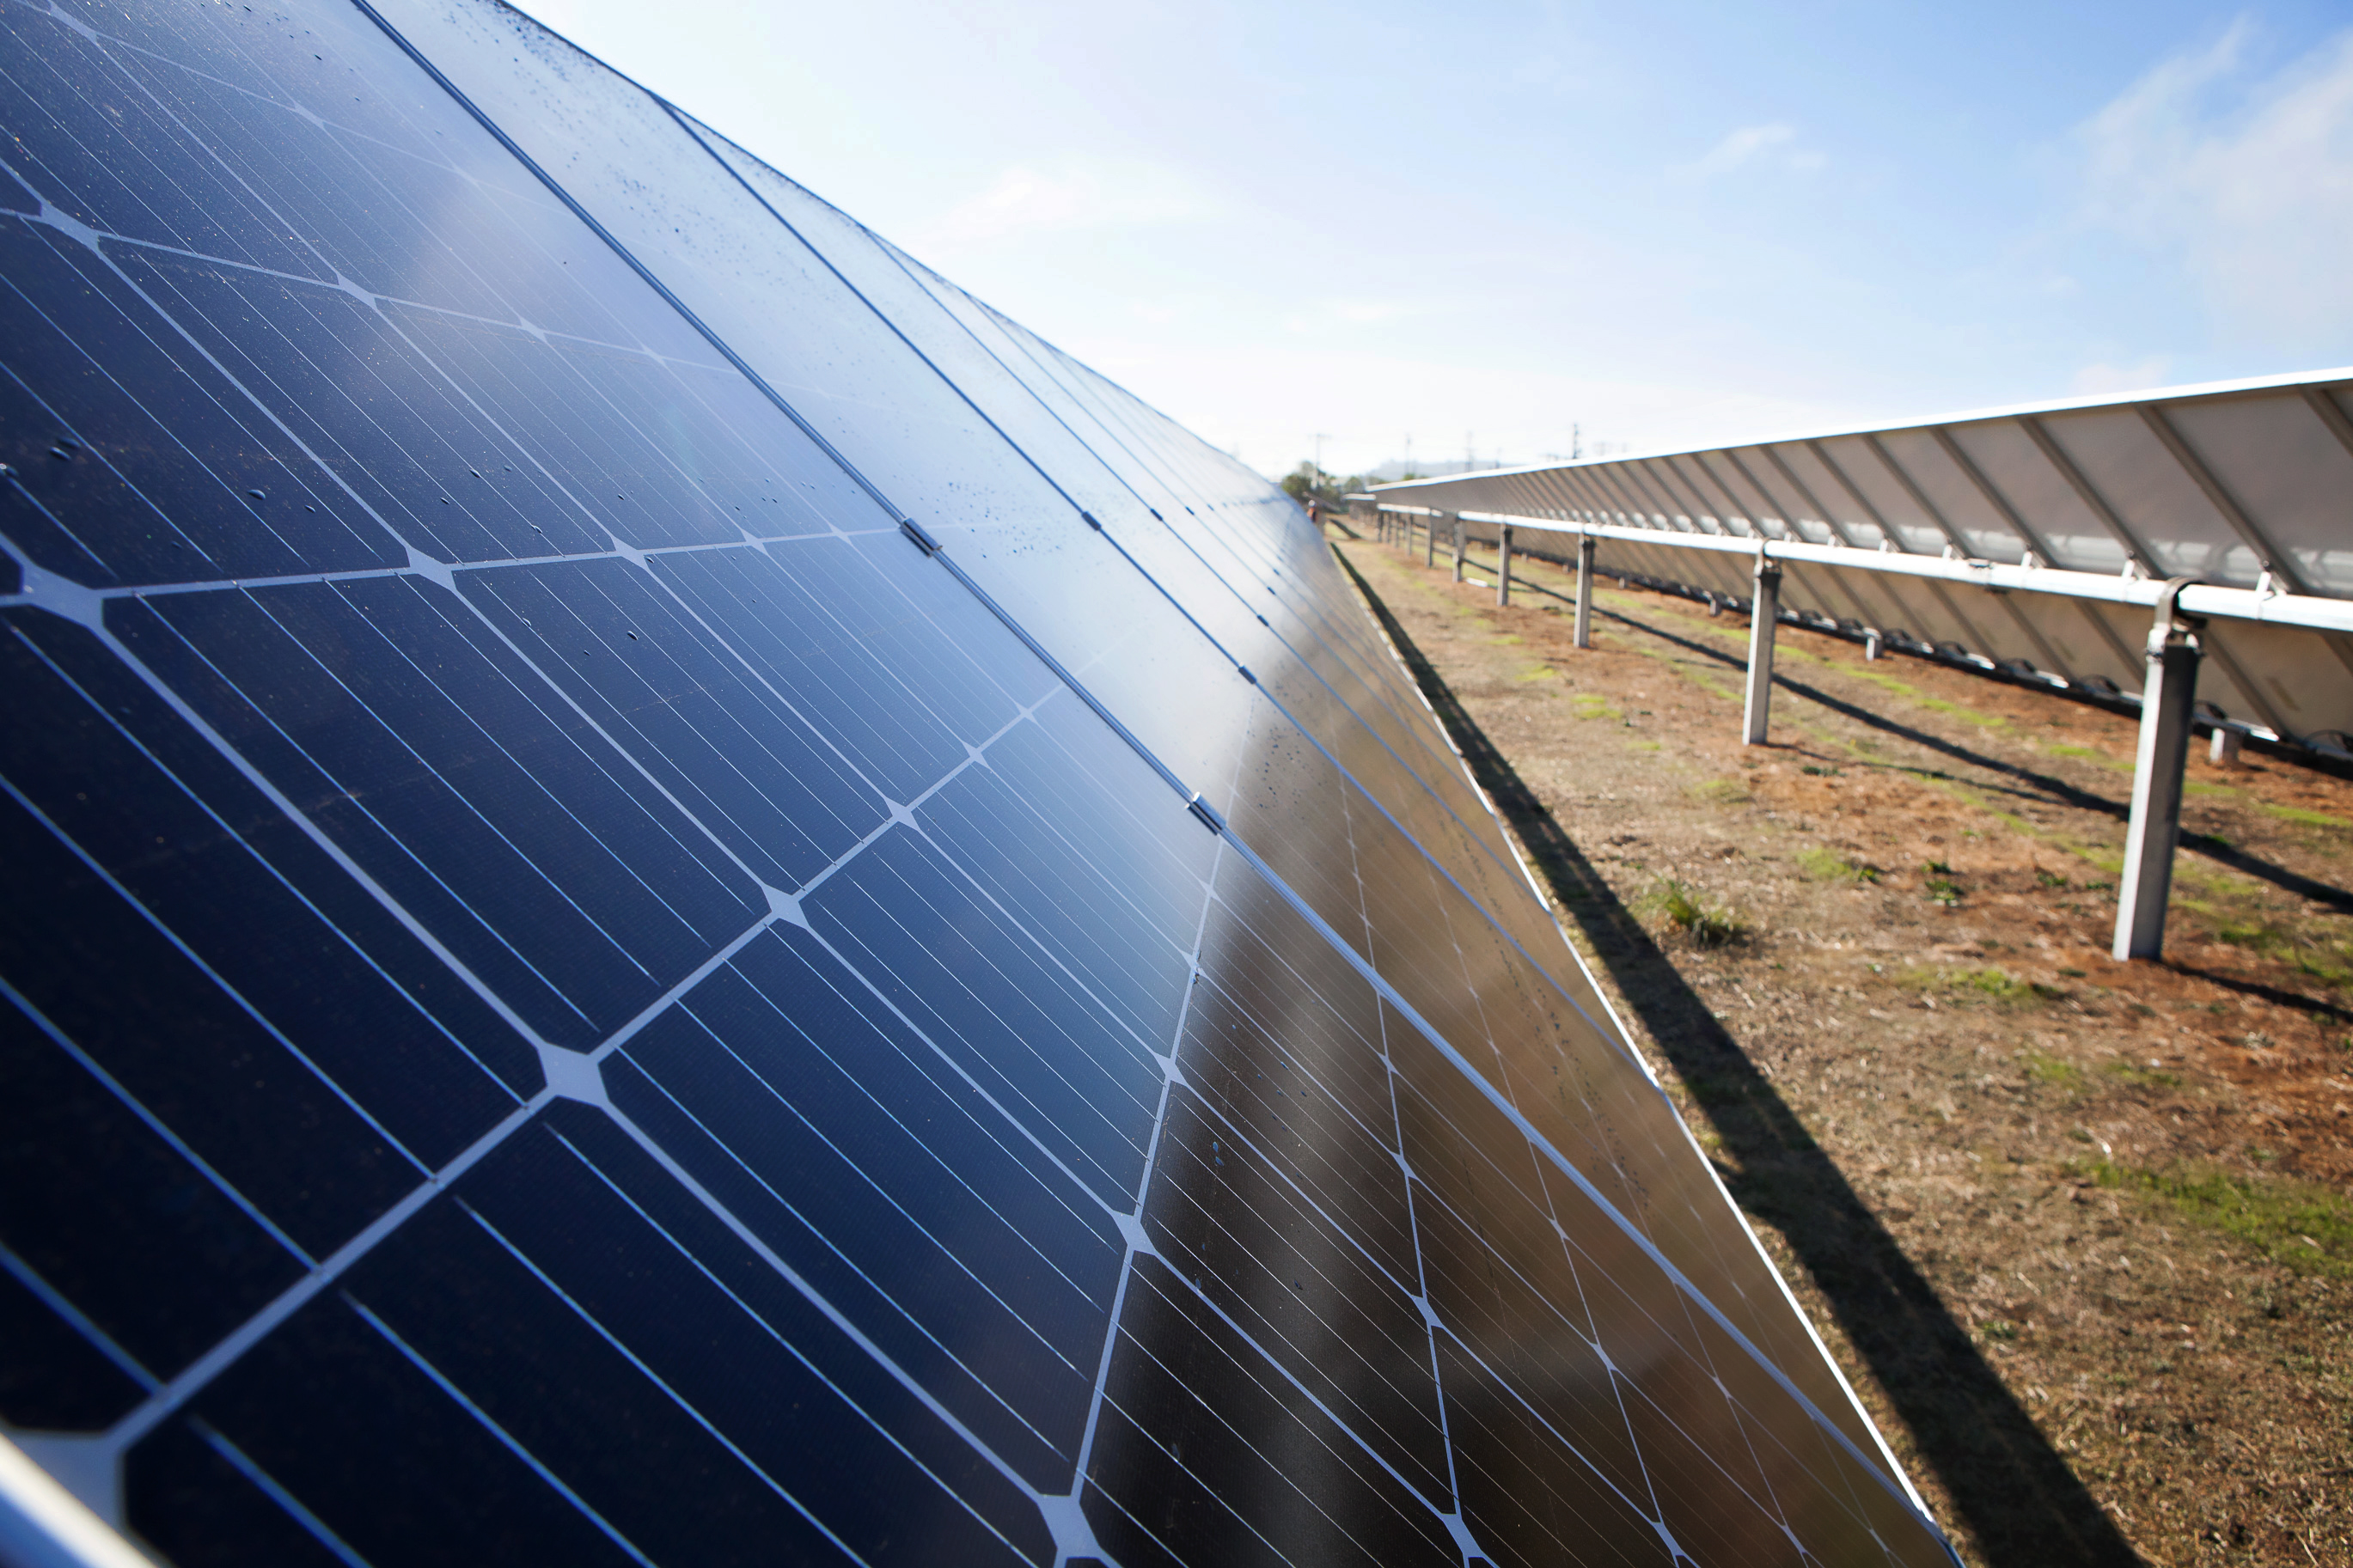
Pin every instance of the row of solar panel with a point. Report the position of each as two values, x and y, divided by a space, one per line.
576 996
2235 485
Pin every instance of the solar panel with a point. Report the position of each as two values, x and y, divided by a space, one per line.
678 897
2058 521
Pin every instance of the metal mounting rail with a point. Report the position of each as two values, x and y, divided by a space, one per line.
2302 610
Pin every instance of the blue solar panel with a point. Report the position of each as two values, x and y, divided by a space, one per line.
678 897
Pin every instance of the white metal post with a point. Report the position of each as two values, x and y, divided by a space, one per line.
1763 619
1430 553
2167 703
1504 564
1584 637
2222 751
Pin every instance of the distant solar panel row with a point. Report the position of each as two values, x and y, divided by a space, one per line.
676 897
2235 485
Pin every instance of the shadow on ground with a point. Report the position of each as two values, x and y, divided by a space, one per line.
2032 784
2012 1490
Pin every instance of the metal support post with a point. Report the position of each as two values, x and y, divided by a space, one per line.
2222 751
1584 637
2166 700
1871 646
1504 564
1458 550
1429 536
1763 619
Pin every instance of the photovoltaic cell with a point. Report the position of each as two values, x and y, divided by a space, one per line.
576 993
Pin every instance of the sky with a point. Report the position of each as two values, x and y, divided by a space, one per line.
1514 230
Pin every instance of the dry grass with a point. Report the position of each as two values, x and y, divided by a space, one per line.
2079 1231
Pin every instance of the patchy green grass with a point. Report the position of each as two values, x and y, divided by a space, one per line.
2000 985
2140 1077
2330 963
1932 704
2299 813
1822 772
2303 815
2307 1228
2052 1072
1988 984
1681 906
1940 886
1824 867
2252 934
1721 791
1588 706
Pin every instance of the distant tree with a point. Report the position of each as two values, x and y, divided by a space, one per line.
1304 479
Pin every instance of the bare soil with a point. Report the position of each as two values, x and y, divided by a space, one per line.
2080 1232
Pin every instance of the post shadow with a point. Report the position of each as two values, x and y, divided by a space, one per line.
2012 1490
2031 783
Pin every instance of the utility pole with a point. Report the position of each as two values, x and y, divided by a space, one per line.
1408 456
1469 453
1316 479
1576 442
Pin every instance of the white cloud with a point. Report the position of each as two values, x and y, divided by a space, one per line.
2246 178
1079 193
1762 145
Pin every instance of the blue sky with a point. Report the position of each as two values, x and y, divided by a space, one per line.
1664 224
